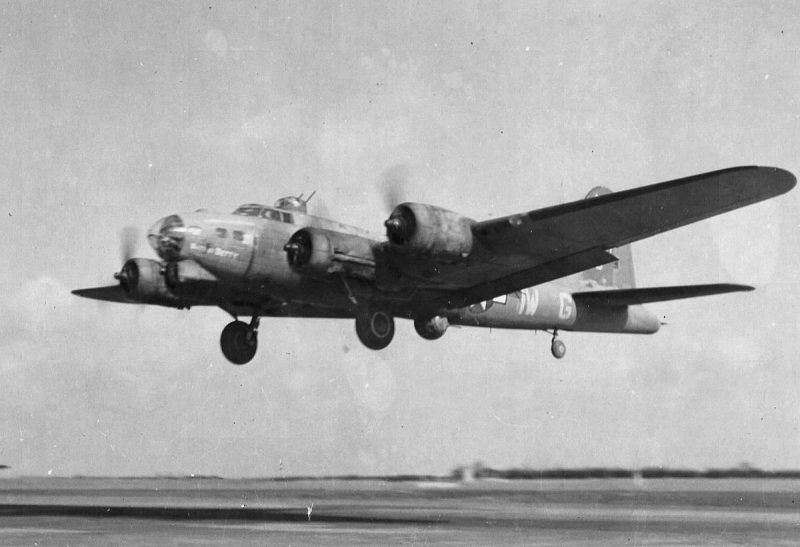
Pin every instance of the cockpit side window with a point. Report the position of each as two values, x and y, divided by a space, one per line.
271 214
238 235
287 217
222 233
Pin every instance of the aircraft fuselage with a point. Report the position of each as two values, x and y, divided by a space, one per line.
248 253
551 306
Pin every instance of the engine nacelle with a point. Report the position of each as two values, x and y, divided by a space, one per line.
316 251
142 281
430 230
187 278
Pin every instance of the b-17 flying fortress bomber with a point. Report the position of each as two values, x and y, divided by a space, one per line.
562 268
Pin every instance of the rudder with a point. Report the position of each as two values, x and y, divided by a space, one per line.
618 274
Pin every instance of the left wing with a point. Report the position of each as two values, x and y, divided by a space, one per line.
115 293
527 249
111 293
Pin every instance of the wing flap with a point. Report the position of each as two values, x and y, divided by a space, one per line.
630 297
554 269
306 311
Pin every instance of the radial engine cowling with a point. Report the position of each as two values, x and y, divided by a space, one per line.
142 281
316 251
430 230
188 278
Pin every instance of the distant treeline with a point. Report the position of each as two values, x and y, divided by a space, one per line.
480 472
387 478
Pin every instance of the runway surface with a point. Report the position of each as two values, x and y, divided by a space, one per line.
88 511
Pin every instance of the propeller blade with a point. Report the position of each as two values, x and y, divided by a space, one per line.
128 239
321 208
393 185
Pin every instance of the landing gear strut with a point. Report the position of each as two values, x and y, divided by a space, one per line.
239 341
557 347
375 328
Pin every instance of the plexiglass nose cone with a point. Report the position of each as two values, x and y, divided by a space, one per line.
166 237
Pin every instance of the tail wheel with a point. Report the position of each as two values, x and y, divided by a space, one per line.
239 342
375 328
558 348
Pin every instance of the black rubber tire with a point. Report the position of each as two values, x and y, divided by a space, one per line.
375 328
239 342
421 326
558 349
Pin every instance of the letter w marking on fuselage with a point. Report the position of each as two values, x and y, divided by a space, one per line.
528 301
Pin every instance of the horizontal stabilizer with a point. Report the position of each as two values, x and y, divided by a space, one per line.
111 293
629 297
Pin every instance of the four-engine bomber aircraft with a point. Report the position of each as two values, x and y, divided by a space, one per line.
434 266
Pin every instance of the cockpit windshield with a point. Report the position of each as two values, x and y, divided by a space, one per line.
249 210
257 210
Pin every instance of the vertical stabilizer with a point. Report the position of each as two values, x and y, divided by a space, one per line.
616 274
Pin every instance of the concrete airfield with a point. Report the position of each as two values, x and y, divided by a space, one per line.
164 511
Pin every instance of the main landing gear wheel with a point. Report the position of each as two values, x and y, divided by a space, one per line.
239 342
557 347
375 328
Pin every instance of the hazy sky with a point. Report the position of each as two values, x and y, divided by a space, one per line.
117 114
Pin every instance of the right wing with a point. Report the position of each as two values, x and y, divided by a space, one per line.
527 249
619 218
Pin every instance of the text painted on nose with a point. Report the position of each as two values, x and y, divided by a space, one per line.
216 251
